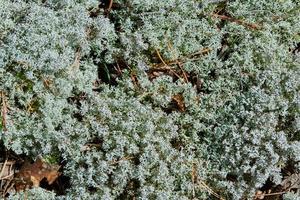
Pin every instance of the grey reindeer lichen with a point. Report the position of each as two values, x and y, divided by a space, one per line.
240 125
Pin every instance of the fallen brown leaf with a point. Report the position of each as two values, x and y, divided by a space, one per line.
179 101
30 175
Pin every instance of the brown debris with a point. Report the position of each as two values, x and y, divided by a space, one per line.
169 68
263 195
291 182
237 21
30 175
47 83
7 169
180 65
198 183
109 6
166 66
134 80
187 58
153 73
6 176
4 111
194 178
75 65
178 99
259 195
120 160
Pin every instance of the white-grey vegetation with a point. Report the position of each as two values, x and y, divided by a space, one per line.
117 137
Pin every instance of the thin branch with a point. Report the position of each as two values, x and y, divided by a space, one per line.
76 64
183 72
196 181
182 60
170 46
275 193
118 69
161 59
165 64
194 178
110 5
262 195
8 176
120 160
107 11
237 21
3 168
4 111
209 190
8 188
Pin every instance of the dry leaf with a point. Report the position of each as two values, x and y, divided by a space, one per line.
179 101
32 174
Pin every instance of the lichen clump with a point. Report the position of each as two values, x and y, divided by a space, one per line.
173 99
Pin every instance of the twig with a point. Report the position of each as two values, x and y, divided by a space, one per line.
5 180
200 52
194 178
178 63
262 195
110 5
275 193
134 79
202 184
88 147
118 69
120 160
184 59
4 111
3 168
183 72
75 65
216 1
209 190
165 64
240 22
8 176
161 59
107 11
8 188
